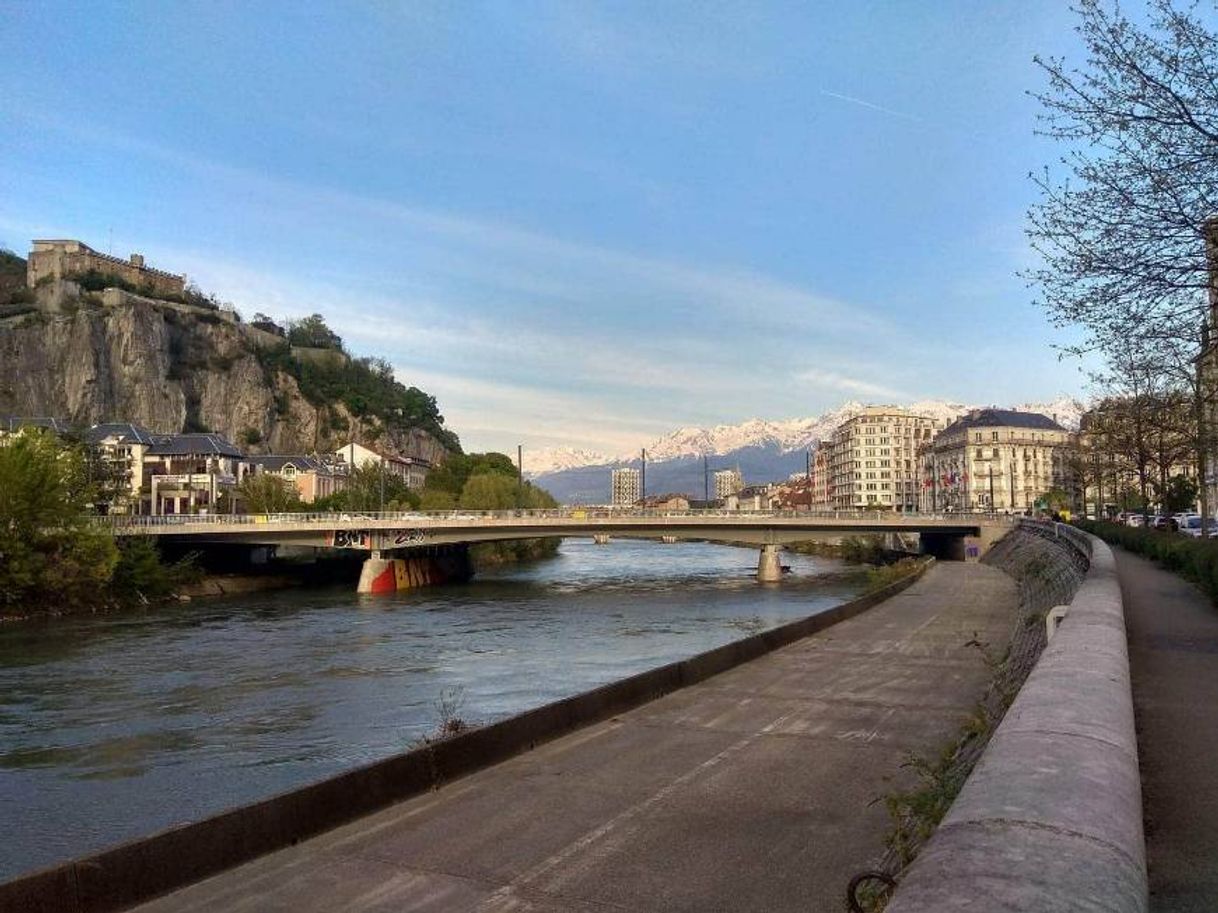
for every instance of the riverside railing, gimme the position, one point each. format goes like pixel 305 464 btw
pixel 323 518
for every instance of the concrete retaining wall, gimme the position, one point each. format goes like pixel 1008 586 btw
pixel 1051 818
pixel 126 875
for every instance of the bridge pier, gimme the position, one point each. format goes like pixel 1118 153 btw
pixel 601 538
pixel 769 568
pixel 385 572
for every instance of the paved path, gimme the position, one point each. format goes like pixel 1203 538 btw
pixel 1173 660
pixel 749 791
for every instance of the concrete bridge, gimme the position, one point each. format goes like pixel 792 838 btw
pixel 390 538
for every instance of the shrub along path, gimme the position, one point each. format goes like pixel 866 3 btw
pixel 752 790
pixel 1173 661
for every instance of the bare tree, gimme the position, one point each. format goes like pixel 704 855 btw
pixel 1121 227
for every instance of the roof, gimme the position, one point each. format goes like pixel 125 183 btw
pixel 189 444
pixel 126 432
pixel 274 462
pixel 1003 418
pixel 15 422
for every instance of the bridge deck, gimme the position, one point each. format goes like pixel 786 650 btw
pixel 406 529
pixel 750 791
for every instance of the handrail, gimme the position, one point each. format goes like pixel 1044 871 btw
pixel 126 521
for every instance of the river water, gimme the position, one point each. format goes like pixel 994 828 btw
pixel 116 726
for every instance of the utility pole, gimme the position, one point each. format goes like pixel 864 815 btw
pixel 381 466
pixel 705 478
pixel 643 478
pixel 520 474
pixel 808 476
pixel 992 504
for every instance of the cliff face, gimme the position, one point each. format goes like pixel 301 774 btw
pixel 172 370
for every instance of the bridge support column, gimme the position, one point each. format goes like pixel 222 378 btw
pixel 378 575
pixel 601 538
pixel 769 568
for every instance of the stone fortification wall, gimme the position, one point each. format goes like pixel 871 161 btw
pixel 1051 817
pixel 64 259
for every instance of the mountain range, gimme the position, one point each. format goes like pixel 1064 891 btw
pixel 764 450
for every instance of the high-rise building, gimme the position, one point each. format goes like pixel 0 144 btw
pixel 873 459
pixel 727 482
pixel 625 486
pixel 996 459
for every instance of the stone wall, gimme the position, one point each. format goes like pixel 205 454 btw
pixel 1051 817
pixel 64 259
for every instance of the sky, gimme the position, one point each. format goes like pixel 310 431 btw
pixel 574 224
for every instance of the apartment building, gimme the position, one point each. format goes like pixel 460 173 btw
pixel 873 460
pixel 727 482
pixel 625 486
pixel 996 459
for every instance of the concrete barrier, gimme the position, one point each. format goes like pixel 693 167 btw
pixel 1051 817
pixel 131 873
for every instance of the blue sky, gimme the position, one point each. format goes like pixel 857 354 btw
pixel 575 224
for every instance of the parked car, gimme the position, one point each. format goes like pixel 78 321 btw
pixel 1166 524
pixel 1192 526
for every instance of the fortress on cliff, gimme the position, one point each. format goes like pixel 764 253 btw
pixel 67 259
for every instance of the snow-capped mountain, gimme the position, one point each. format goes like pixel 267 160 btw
pixel 556 459
pixel 765 450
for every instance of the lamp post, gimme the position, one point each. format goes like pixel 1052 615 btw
pixel 520 475
pixel 643 478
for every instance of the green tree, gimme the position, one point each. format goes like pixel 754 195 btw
pixel 369 487
pixel 437 499
pixel 50 551
pixel 1179 495
pixel 489 491
pixel 266 493
pixel 313 332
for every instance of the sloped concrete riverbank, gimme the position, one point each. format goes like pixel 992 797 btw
pixel 752 790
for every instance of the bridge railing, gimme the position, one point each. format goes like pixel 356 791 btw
pixel 329 518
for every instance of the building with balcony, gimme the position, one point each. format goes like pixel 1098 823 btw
pixel 996 459
pixel 313 477
pixel 625 486
pixel 191 473
pixel 727 482
pixel 873 460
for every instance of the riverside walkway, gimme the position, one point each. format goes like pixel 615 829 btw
pixel 752 790
pixel 1173 662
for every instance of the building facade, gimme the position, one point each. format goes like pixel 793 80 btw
pixel 312 477
pixel 411 470
pixel 625 486
pixel 727 482
pixel 996 459
pixel 63 259
pixel 872 460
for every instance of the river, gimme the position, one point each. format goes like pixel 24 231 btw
pixel 116 726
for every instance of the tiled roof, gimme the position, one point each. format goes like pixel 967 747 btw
pixel 1003 418
pixel 189 444
pixel 273 462
pixel 126 432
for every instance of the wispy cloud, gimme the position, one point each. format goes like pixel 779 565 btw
pixel 871 105
pixel 831 380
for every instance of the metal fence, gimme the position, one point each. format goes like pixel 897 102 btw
pixel 330 518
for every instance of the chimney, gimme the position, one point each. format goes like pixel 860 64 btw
pixel 137 260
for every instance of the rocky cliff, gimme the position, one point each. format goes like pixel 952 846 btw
pixel 173 368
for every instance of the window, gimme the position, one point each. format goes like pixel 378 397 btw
pixel 994 436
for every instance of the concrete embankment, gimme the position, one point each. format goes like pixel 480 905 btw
pixel 1051 818
pixel 125 875
pixel 754 789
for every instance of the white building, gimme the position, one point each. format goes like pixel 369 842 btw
pixel 626 487
pixel 727 482
pixel 996 459
pixel 411 470
pixel 873 459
